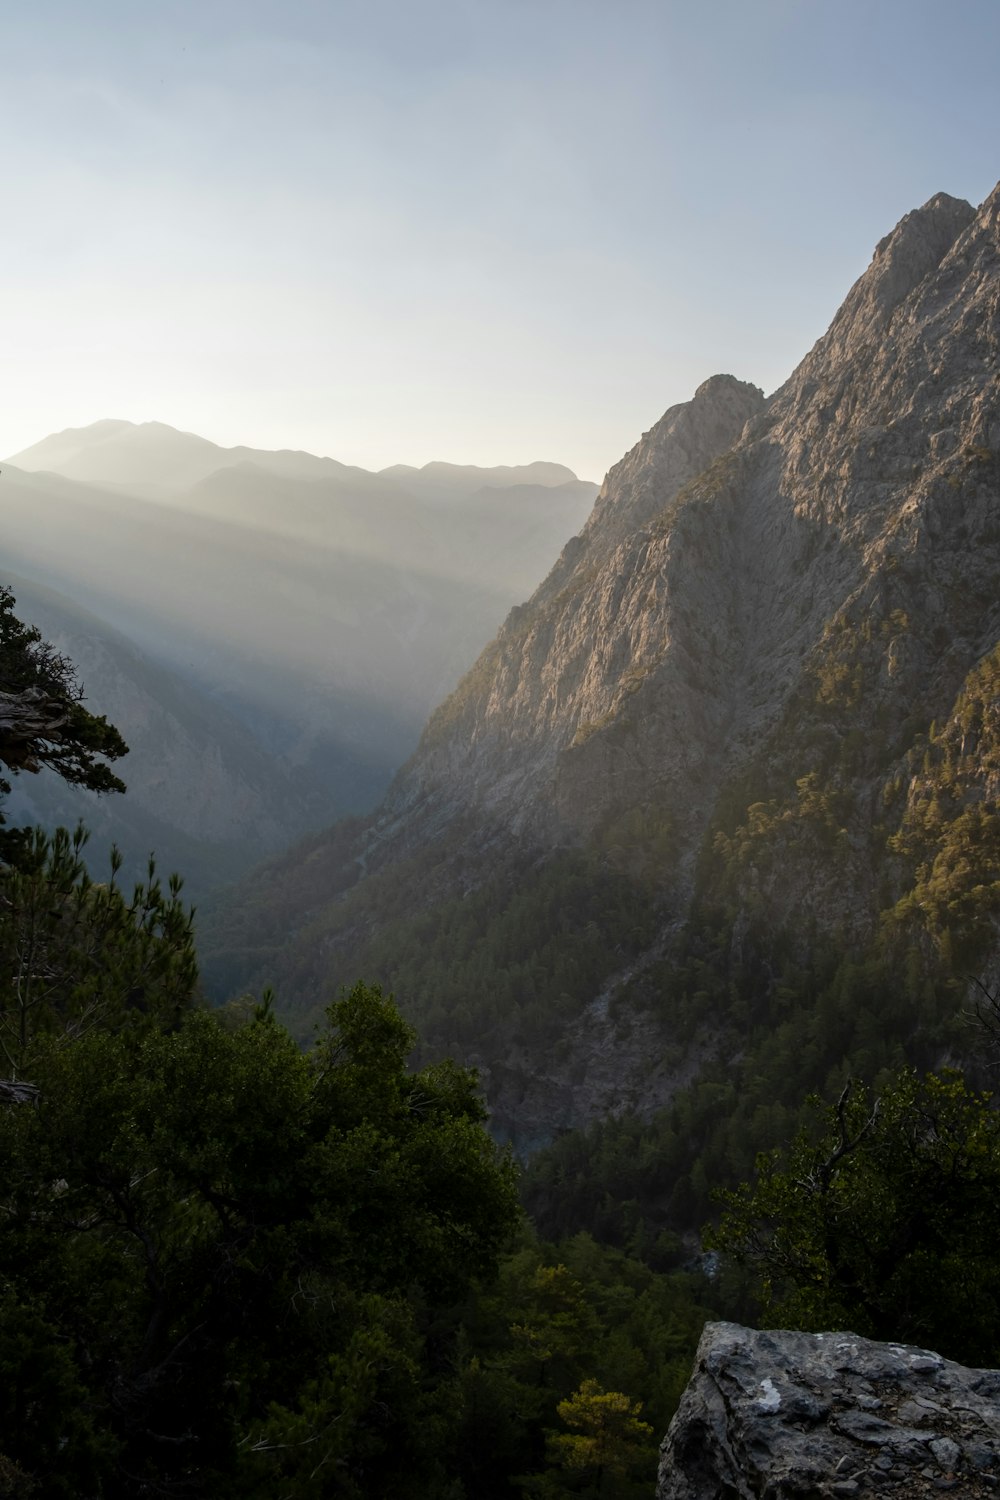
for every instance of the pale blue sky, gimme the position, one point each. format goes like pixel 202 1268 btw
pixel 482 230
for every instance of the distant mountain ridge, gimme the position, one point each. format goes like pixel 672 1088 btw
pixel 440 478
pixel 323 609
pixel 113 451
pixel 735 708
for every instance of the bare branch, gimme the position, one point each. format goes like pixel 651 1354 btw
pixel 986 1018
pixel 12 1092
pixel 820 1178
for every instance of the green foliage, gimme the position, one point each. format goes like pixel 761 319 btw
pixel 564 1319
pixel 229 1267
pixel 606 1450
pixel 784 1025
pixel 555 1327
pixel 514 958
pixel 815 819
pixel 42 718
pixel 641 842
pixel 760 975
pixel 220 1256
pixel 884 1221
pixel 949 831
pixel 700 495
pixel 78 954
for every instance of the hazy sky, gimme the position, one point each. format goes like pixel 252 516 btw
pixel 482 230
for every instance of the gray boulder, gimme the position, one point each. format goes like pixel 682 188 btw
pixel 772 1415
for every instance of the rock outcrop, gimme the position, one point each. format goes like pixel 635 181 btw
pixel 772 1415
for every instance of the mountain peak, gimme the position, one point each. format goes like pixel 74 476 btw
pixel 902 260
pixel 924 236
pixel 686 439
pixel 718 387
pixel 990 206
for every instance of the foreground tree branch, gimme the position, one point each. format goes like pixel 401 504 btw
pixel 42 718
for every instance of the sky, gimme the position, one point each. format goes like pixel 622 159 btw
pixel 485 231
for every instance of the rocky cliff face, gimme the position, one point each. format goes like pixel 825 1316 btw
pixel 769 1416
pixel 741 688
pixel 609 620
pixel 724 549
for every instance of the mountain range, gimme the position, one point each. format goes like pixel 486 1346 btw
pixel 718 804
pixel 269 630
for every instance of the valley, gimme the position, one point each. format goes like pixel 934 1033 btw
pixel 667 825
pixel 697 862
pixel 500 751
pixel 306 615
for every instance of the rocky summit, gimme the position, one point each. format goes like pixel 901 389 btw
pixel 749 719
pixel 772 1415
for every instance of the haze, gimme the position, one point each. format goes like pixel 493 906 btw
pixel 490 231
pixel 282 619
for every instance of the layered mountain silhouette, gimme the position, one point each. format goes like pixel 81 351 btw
pixel 747 725
pixel 315 610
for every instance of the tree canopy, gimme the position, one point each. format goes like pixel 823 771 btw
pixel 885 1220
pixel 221 1256
pixel 75 953
pixel 42 718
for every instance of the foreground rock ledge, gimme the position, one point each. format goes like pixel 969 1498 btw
pixel 772 1415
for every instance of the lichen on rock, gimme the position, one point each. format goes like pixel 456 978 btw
pixel 770 1414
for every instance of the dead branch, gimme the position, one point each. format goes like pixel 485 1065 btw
pixel 12 1092
pixel 820 1178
